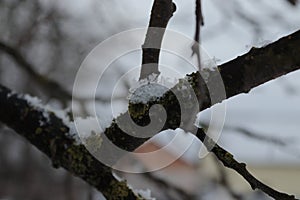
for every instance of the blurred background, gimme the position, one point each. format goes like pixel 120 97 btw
pixel 43 43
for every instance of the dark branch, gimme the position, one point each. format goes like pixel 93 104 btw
pixel 292 2
pixel 51 136
pixel 161 183
pixel 256 135
pixel 162 11
pixel 260 65
pixel 199 22
pixel 228 161
pixel 225 182
pixel 239 75
pixel 263 138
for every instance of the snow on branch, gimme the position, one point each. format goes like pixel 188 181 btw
pixel 49 131
pixel 51 135
pixel 240 75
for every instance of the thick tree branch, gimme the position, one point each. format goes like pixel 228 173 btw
pixel 51 135
pixel 239 75
pixel 228 161
pixel 162 11
pixel 292 2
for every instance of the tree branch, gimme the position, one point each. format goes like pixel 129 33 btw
pixel 54 89
pixel 283 142
pixel 199 22
pixel 293 2
pixel 165 185
pixel 162 11
pixel 228 161
pixel 51 135
pixel 239 75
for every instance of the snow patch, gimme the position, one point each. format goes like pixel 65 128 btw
pixel 87 126
pixel 46 110
pixel 119 178
pixel 259 44
pixel 150 89
pixel 146 194
pixel 73 133
pixel 147 92
pixel 10 94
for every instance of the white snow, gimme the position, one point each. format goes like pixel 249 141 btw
pixel 146 194
pixel 80 130
pixel 117 177
pixel 47 109
pixel 74 133
pixel 34 101
pixel 87 126
pixel 147 92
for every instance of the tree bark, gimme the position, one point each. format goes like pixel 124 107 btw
pixel 51 135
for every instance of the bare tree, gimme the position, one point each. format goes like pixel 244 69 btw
pixel 52 133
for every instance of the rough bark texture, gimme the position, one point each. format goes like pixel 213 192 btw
pixel 239 75
pixel 261 65
pixel 51 136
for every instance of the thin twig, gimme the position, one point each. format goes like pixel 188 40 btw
pixel 224 181
pixel 255 135
pixel 228 161
pixel 292 2
pixel 199 22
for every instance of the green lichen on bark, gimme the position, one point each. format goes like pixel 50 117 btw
pixel 138 110
pixel 51 136
pixel 117 190
pixel 77 159
pixel 264 64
